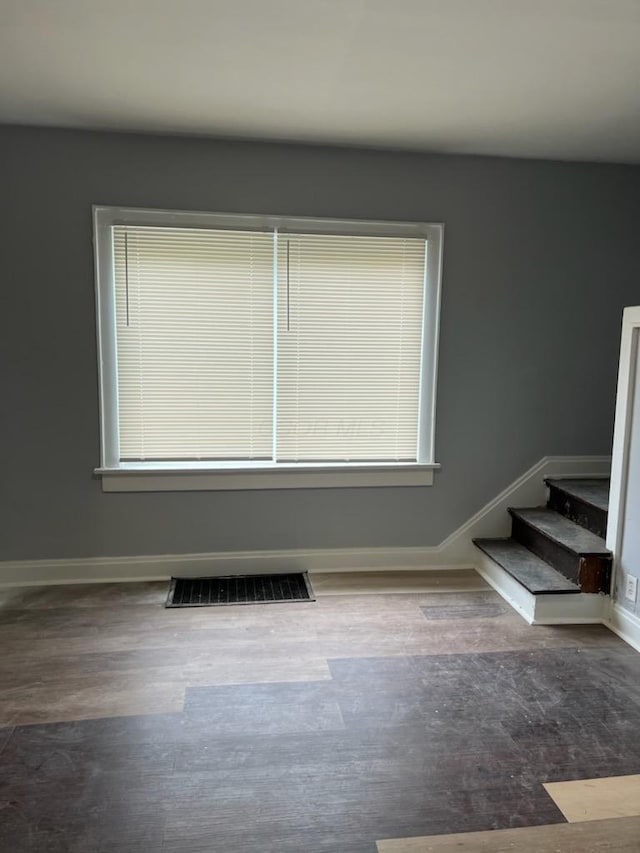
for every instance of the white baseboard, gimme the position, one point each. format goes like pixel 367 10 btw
pixel 164 566
pixel 455 552
pixel 625 624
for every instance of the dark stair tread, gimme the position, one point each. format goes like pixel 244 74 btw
pixel 563 532
pixel 530 571
pixel 594 492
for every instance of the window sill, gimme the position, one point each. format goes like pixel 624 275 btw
pixel 178 478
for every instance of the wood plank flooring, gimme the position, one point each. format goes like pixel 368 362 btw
pixel 621 836
pixel 597 799
pixel 390 708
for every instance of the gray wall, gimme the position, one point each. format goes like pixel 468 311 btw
pixel 540 258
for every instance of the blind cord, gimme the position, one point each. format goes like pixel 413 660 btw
pixel 288 309
pixel 126 274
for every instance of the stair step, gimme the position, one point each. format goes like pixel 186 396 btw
pixel 578 554
pixel 561 530
pixel 584 501
pixel 594 491
pixel 529 570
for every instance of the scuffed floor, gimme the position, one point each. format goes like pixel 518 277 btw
pixel 393 707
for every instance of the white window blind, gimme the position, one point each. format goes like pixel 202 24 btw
pixel 194 337
pixel 350 319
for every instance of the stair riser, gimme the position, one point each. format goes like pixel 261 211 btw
pixel 591 574
pixel 561 560
pixel 582 513
pixel 595 575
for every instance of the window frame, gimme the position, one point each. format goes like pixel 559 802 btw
pixel 178 476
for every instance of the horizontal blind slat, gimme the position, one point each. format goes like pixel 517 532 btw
pixel 195 345
pixel 194 326
pixel 349 347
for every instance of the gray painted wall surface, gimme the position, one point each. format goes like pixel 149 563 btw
pixel 539 260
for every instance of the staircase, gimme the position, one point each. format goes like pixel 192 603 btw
pixel 556 554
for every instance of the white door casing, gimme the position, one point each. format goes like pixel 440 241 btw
pixel 623 530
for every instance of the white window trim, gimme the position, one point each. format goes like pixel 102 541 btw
pixel 153 476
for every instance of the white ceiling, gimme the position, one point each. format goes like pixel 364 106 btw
pixel 540 78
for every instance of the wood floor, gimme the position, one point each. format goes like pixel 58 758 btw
pixel 391 710
pixel 603 836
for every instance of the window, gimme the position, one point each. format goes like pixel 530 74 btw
pixel 247 352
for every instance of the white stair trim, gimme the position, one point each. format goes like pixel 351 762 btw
pixel 566 609
pixel 507 586
pixel 528 490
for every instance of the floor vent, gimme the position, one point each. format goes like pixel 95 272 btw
pixel 246 589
